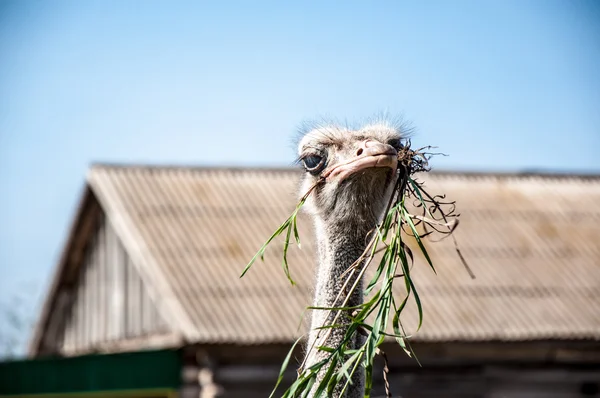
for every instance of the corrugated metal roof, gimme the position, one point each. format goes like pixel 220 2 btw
pixel 532 241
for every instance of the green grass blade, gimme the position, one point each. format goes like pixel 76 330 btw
pixel 326 349
pixel 400 337
pixel 378 273
pixel 285 365
pixel 296 234
pixel 353 361
pixel 418 301
pixel 327 377
pixel 410 223
pixel 285 265
pixel 260 253
pixel 417 191
pixel 354 307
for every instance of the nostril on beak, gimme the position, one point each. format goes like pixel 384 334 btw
pixel 359 152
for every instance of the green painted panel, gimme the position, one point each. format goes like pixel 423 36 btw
pixel 90 373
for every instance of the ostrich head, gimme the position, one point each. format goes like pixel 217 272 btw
pixel 359 167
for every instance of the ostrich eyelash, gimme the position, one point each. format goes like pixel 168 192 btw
pixel 310 151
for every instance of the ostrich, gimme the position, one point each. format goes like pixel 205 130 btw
pixel 359 167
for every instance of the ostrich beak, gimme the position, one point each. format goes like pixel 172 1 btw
pixel 370 154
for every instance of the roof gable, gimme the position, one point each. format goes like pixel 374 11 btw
pixel 98 301
pixel 199 228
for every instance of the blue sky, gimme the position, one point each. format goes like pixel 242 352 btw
pixel 502 85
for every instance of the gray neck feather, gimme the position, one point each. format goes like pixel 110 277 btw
pixel 338 247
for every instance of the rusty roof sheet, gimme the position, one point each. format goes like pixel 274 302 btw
pixel 533 242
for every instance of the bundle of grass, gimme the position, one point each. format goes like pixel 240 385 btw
pixel 357 186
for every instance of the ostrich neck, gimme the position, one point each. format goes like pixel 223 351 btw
pixel 338 248
pixel 337 251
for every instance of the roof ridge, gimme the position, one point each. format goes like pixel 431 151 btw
pixel 266 168
pixel 158 166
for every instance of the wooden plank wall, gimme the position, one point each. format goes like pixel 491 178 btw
pixel 108 303
pixel 451 382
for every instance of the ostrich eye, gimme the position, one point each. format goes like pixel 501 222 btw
pixel 313 163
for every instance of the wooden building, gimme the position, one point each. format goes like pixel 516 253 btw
pixel 153 259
